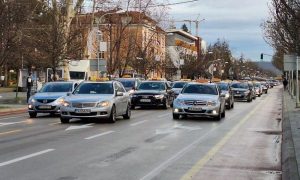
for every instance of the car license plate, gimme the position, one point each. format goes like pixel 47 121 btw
pixel 237 95
pixel 195 108
pixel 82 110
pixel 44 107
pixel 145 100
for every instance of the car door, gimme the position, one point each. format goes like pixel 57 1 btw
pixel 122 100
pixel 117 99
pixel 170 93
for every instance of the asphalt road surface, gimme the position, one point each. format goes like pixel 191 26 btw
pixel 246 144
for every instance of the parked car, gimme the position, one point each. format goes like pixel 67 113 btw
pixel 152 93
pixel 97 100
pixel 242 91
pixel 227 91
pixel 50 97
pixel 258 89
pixel 130 84
pixel 200 100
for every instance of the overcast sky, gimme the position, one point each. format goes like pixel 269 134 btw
pixel 236 21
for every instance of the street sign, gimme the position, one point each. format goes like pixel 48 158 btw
pixel 289 62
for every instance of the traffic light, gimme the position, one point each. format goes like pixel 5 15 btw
pixel 261 56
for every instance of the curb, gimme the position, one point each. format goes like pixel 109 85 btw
pixel 13 111
pixel 288 159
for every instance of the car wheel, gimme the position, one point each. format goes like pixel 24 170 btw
pixel 259 95
pixel 249 99
pixel 218 118
pixel 165 106
pixel 266 92
pixel 232 105
pixel 64 120
pixel 32 114
pixel 223 113
pixel 132 107
pixel 113 115
pixel 176 116
pixel 52 114
pixel 128 113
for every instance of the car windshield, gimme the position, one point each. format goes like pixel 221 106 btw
pixel 200 89
pixel 95 88
pixel 152 86
pixel 127 83
pixel 57 87
pixel 223 86
pixel 257 85
pixel 179 84
pixel 240 85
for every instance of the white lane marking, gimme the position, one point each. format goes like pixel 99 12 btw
pixel 10 123
pixel 163 115
pixel 79 127
pixel 98 135
pixel 25 157
pixel 137 123
pixel 13 117
pixel 178 155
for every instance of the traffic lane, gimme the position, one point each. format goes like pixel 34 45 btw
pixel 115 159
pixel 248 150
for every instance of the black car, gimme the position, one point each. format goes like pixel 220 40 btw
pixel 227 91
pixel 152 93
pixel 242 91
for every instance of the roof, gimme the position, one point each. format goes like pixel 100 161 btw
pixel 183 33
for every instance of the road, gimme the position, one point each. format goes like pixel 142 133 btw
pixel 246 144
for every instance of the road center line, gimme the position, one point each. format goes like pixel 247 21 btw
pixel 13 117
pixel 137 123
pixel 11 123
pixel 25 157
pixel 51 124
pixel 98 135
pixel 10 132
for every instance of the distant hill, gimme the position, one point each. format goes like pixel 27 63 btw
pixel 268 66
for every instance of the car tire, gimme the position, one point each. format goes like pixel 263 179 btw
pixel 223 114
pixel 64 120
pixel 176 116
pixel 165 106
pixel 259 95
pixel 113 115
pixel 132 107
pixel 219 117
pixel 249 99
pixel 128 112
pixel 52 114
pixel 32 114
pixel 232 105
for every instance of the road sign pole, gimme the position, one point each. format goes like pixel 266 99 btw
pixel 297 82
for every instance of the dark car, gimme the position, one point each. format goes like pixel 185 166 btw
pixel 152 93
pixel 242 91
pixel 227 91
pixel 177 87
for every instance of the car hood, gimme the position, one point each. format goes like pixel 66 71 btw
pixel 82 98
pixel 49 95
pixel 177 90
pixel 149 92
pixel 203 97
pixel 239 89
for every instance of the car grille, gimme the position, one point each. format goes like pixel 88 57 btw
pixel 202 111
pixel 52 108
pixel 83 105
pixel 45 100
pixel 83 114
pixel 195 103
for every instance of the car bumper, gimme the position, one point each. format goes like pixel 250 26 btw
pixel 69 112
pixel 152 102
pixel 37 108
pixel 205 112
pixel 241 97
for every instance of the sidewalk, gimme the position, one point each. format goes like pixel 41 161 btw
pixel 9 104
pixel 290 139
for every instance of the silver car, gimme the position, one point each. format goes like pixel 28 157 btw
pixel 96 100
pixel 49 98
pixel 200 100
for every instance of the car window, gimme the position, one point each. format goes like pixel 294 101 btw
pixel 95 88
pixel 240 85
pixel 223 86
pixel 152 86
pixel 57 87
pixel 127 83
pixel 179 84
pixel 200 89
pixel 120 88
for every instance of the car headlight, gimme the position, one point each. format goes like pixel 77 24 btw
pixel 60 100
pixel 103 104
pixel 66 103
pixel 134 95
pixel 161 96
pixel 211 103
pixel 226 95
pixel 131 91
pixel 32 100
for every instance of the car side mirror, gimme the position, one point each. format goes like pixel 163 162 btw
pixel 69 94
pixel 120 93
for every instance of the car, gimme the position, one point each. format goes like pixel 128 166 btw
pixel 178 86
pixel 258 89
pixel 227 91
pixel 100 100
pixel 265 87
pixel 253 89
pixel 152 93
pixel 199 99
pixel 130 84
pixel 242 91
pixel 49 98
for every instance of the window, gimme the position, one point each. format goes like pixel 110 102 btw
pixel 101 55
